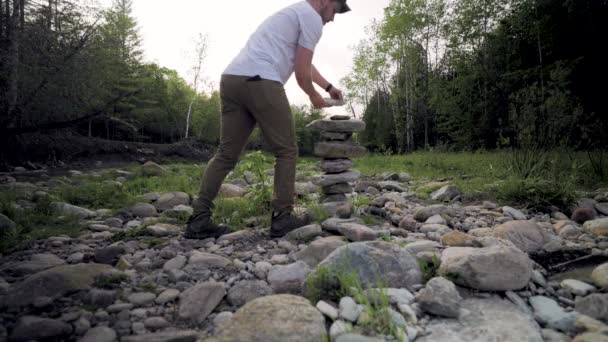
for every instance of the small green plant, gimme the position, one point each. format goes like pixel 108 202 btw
pixel 429 268
pixel 538 193
pixel 261 191
pixel 110 281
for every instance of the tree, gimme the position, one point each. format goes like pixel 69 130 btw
pixel 200 54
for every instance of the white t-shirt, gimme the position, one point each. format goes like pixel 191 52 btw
pixel 271 50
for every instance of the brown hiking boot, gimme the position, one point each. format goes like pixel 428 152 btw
pixel 285 221
pixel 201 227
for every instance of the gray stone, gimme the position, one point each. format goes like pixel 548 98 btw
pixel 279 318
pixel 176 263
pixel 72 210
pixel 167 296
pixel 577 287
pixel 246 291
pixel 525 235
pixel 595 305
pixel 288 278
pixel 37 263
pixel 231 191
pixel 447 193
pixel 514 213
pixel 335 178
pixel 336 165
pixel 101 298
pixel 38 328
pixel 357 232
pixel 351 337
pixel 197 302
pixel 179 212
pixel 349 309
pixel 392 186
pixel 339 188
pixel 222 318
pixel 423 214
pixel 341 126
pixel 439 297
pixel 143 210
pixel 602 208
pixel 155 323
pixel 167 336
pixel 327 310
pixel 338 328
pixel 493 268
pixel 305 188
pixel 305 233
pixel 549 313
pixel 600 276
pixel 319 250
pixel 483 320
pixel 207 260
pixel 171 199
pixel 376 260
pixel 338 150
pixel 335 136
pixel 550 335
pixel 333 224
pixel 163 230
pixel 53 283
pixel 141 298
pixel 109 255
pixel 436 219
pixel 99 334
pixel 151 169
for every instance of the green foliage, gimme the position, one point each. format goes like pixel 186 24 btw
pixel 261 194
pixel 538 193
pixel 429 268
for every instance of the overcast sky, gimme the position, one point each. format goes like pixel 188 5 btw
pixel 169 27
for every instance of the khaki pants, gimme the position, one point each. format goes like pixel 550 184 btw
pixel 246 102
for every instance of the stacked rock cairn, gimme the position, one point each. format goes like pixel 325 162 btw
pixel 336 148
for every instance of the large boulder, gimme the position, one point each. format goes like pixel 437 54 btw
pixel 525 235
pixel 37 328
pixel 37 263
pixel 597 227
pixel 491 319
pixel 499 267
pixel 280 318
pixel 600 276
pixel 54 283
pixel 375 261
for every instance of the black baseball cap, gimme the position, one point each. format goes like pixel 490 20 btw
pixel 343 7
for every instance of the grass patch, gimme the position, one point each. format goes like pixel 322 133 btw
pixel 429 268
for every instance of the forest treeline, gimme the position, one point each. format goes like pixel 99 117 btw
pixel 467 74
pixel 472 74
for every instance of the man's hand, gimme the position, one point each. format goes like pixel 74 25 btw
pixel 317 100
pixel 335 93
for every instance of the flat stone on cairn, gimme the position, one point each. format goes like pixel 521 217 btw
pixel 336 147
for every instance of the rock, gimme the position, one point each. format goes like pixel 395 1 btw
pixel 245 291
pixel 351 337
pixel 439 297
pixel 101 298
pixel 345 211
pixel 333 224
pixel 176 263
pixel 109 255
pixel 514 213
pixel 155 323
pixel 231 191
pixel 21 190
pixel 179 212
pixel 208 260
pixel 597 227
pixel 482 320
pixel 600 276
pixel 435 228
pixel 167 296
pixel 168 336
pixel 341 126
pixel 395 266
pixel 336 165
pixel 222 318
pixel 591 337
pixel 37 263
pixel 525 235
pixel 53 283
pixel 305 188
pixel 423 214
pixel 392 186
pixel 548 312
pixel 197 302
pixel 550 335
pixel 436 219
pixel 6 224
pixel 493 268
pixel 151 169
pixel 457 238
pixel 582 215
pixel 447 193
pixel 602 208
pixel 163 230
pixel 143 210
pixel 72 210
pixel 319 250
pixel 38 328
pixel 278 318
pixel 327 310
pixel 171 199
pixel 338 328
pixel 288 278
pixel 338 188
pixel 357 232
pixel 331 150
pixel 335 178
pixel 362 186
pixel 594 305
pixel 99 334
pixel 305 233
pixel 577 287
pixel 349 309
pixel 408 222
pixel 422 246
pixel 141 298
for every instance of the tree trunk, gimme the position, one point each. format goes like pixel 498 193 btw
pixel 14 38
pixel 188 119
pixel 49 16
pixel 2 23
pixel 22 13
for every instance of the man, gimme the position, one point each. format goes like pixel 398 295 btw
pixel 251 91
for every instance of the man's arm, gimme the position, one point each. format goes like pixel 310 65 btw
pixel 334 92
pixel 305 76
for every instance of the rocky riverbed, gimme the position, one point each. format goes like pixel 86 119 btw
pixel 450 271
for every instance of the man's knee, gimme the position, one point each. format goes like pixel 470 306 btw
pixel 226 157
pixel 286 151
